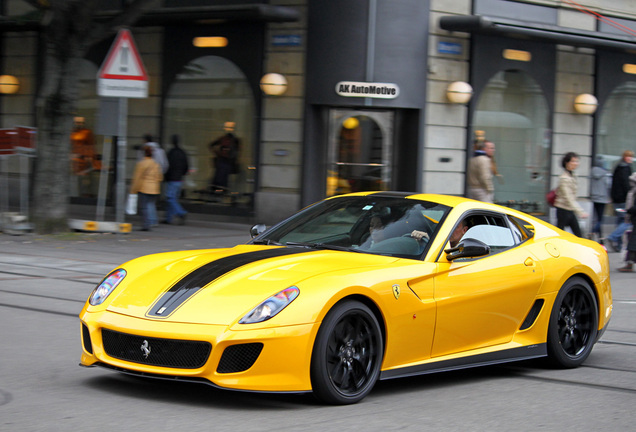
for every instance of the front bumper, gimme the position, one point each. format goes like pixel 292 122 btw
pixel 282 365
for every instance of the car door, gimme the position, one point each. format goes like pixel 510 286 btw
pixel 483 301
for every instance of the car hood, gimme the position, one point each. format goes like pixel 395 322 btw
pixel 221 286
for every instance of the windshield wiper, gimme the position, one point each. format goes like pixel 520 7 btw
pixel 322 246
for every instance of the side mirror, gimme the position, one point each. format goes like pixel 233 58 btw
pixel 257 230
pixel 467 248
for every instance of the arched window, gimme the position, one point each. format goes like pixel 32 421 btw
pixel 513 113
pixel 617 124
pixel 208 97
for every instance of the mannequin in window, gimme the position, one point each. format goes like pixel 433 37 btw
pixel 83 155
pixel 225 150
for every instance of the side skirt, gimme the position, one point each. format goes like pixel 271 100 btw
pixel 492 358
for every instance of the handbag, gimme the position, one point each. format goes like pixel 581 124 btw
pixel 131 204
pixel 551 197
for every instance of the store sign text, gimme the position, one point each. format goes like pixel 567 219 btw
pixel 367 89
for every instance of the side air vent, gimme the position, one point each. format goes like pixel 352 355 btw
pixel 239 358
pixel 86 338
pixel 532 315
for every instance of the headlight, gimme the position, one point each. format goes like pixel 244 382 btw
pixel 106 286
pixel 271 306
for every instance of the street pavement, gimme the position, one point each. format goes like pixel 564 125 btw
pixel 45 280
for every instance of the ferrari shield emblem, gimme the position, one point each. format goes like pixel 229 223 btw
pixel 396 291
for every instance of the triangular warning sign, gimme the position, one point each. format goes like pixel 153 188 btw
pixel 123 61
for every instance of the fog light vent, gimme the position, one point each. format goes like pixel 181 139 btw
pixel 86 338
pixel 239 358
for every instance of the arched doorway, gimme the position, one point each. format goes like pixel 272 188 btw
pixel 360 151
pixel 209 96
pixel 513 112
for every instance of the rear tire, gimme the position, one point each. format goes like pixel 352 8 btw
pixel 573 324
pixel 347 354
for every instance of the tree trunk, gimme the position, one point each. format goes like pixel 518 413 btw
pixel 55 108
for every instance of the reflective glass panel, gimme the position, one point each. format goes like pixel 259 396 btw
pixel 210 106
pixel 513 113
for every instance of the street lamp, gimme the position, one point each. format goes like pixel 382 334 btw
pixel 9 84
pixel 585 104
pixel 273 84
pixel 459 92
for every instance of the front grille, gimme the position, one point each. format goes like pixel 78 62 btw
pixel 173 353
pixel 239 358
pixel 86 338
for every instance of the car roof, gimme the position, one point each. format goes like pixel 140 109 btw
pixel 449 200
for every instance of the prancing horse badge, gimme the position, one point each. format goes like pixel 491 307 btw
pixel 396 291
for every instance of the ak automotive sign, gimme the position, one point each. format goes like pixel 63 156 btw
pixel 367 89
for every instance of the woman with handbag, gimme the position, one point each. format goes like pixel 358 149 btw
pixel 146 183
pixel 568 210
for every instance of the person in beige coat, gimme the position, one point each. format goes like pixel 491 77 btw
pixel 568 209
pixel 480 173
pixel 146 183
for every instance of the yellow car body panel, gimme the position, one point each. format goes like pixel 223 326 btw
pixel 431 310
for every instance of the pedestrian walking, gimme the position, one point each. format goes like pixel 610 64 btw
pixel 630 209
pixel 600 183
pixel 159 155
pixel 146 183
pixel 620 183
pixel 568 210
pixel 480 172
pixel 178 167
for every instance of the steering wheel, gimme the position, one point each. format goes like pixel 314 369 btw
pixel 423 240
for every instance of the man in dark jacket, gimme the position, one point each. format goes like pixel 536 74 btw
pixel 620 182
pixel 177 168
pixel 630 209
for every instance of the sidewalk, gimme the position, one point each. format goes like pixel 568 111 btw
pixel 199 232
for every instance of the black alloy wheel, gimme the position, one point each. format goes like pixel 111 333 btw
pixel 573 324
pixel 347 354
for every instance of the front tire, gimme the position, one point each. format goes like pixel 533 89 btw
pixel 573 324
pixel 347 354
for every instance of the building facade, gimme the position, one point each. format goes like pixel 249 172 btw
pixel 367 104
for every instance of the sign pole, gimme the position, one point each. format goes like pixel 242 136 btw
pixel 121 159
pixel 122 76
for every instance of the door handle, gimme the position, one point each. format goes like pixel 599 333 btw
pixel 529 262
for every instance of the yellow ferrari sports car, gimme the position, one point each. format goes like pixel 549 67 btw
pixel 354 289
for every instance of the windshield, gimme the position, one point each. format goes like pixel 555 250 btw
pixel 372 224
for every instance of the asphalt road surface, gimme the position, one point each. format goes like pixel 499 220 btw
pixel 44 282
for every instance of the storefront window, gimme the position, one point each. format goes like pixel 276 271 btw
pixel 360 152
pixel 86 149
pixel 513 113
pixel 209 100
pixel 617 125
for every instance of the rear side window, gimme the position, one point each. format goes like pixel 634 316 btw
pixel 521 230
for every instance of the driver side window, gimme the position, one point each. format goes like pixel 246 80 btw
pixel 490 229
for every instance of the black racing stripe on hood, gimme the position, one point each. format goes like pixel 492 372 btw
pixel 195 281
